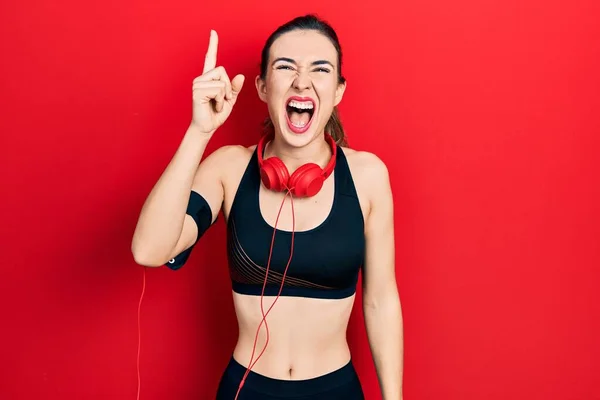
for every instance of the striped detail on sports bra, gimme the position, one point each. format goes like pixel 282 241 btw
pixel 244 270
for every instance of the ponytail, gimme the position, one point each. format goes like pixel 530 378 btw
pixel 334 127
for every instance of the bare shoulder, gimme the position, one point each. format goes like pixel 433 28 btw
pixel 226 158
pixel 231 161
pixel 229 153
pixel 369 171
pixel 218 166
pixel 371 180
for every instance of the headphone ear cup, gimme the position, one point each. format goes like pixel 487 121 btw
pixel 307 180
pixel 274 174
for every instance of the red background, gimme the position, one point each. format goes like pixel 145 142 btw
pixel 485 112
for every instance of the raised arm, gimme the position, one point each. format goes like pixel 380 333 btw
pixel 187 197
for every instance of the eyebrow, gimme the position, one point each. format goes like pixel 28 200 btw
pixel 318 62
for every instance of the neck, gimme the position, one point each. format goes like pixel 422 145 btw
pixel 316 151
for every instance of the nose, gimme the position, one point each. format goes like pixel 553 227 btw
pixel 302 81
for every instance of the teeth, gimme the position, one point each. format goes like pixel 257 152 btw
pixel 299 125
pixel 304 105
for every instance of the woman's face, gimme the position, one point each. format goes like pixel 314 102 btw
pixel 301 86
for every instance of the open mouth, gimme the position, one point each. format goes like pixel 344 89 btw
pixel 299 113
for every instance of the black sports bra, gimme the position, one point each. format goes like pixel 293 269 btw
pixel 326 259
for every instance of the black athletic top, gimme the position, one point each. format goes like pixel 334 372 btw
pixel 326 259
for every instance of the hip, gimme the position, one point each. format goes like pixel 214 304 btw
pixel 341 383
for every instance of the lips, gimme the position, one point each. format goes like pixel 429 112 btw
pixel 299 113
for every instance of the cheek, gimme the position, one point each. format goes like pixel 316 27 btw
pixel 280 81
pixel 276 89
pixel 326 90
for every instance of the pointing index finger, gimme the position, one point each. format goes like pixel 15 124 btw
pixel 210 60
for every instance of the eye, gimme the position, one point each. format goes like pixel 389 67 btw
pixel 321 69
pixel 284 67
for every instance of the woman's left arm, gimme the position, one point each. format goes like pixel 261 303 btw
pixel 381 301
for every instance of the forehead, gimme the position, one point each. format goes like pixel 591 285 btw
pixel 304 45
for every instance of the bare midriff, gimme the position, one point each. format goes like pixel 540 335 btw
pixel 307 336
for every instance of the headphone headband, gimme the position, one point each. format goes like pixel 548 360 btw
pixel 328 170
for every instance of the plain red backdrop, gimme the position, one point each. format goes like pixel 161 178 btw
pixel 485 112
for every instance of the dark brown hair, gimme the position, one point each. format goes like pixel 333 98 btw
pixel 309 22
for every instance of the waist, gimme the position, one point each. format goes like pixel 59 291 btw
pixel 306 336
pixel 293 362
pixel 281 388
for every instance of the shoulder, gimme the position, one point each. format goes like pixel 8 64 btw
pixel 230 161
pixel 228 157
pixel 368 170
pixel 231 152
pixel 221 163
pixel 371 179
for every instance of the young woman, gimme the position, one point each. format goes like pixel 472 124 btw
pixel 337 218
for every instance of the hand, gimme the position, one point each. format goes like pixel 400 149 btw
pixel 213 93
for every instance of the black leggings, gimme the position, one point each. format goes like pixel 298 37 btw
pixel 342 384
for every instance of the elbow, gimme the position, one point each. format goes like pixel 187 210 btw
pixel 387 301
pixel 145 257
pixel 374 305
pixel 146 261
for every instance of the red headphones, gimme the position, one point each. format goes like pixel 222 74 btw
pixel 306 181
